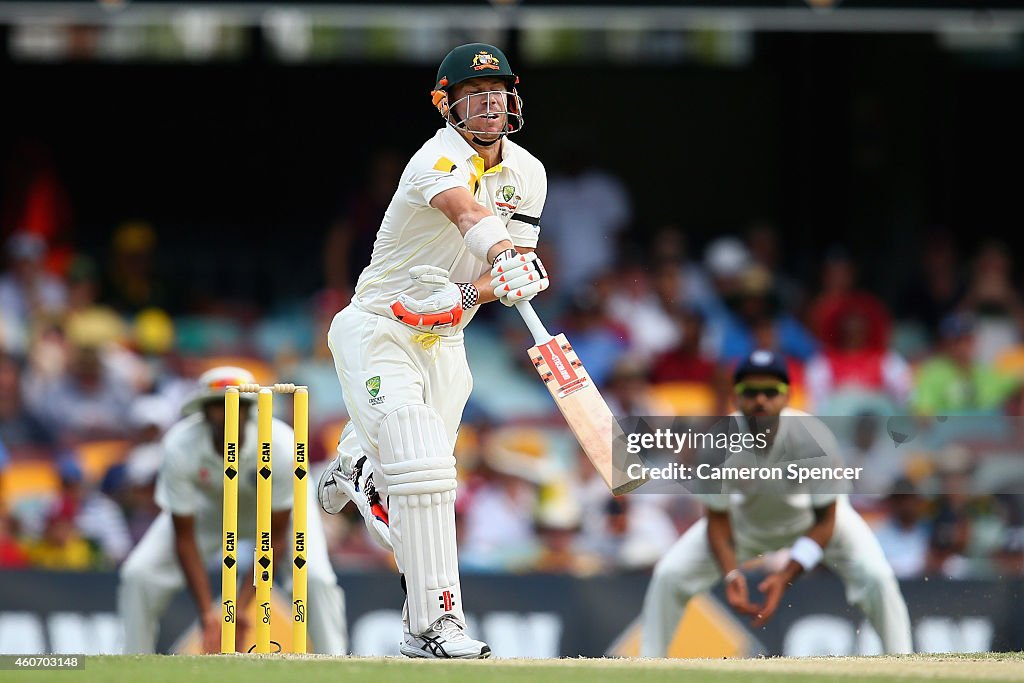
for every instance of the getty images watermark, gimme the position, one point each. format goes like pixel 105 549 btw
pixel 734 443
pixel 801 454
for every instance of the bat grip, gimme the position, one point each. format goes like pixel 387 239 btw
pixel 537 329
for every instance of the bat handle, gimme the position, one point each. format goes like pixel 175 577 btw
pixel 537 329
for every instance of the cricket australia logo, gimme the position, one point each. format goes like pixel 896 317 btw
pixel 485 60
pixel 506 200
pixel 373 388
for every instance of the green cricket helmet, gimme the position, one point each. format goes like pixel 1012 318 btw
pixel 477 60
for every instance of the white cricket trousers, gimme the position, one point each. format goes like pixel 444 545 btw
pixel 405 391
pixel 151 576
pixel 689 568
pixel 382 368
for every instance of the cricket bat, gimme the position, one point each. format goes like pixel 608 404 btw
pixel 579 401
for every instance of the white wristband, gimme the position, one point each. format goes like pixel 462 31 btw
pixel 806 553
pixel 484 235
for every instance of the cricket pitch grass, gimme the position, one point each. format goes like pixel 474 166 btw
pixel 314 669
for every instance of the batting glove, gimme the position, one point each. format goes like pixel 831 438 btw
pixel 518 277
pixel 444 304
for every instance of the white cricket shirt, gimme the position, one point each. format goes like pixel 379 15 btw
pixel 415 233
pixel 761 518
pixel 191 479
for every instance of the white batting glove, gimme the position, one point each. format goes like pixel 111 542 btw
pixel 518 277
pixel 444 303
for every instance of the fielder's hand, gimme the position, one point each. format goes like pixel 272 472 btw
pixel 518 277
pixel 444 303
pixel 736 593
pixel 772 588
pixel 211 629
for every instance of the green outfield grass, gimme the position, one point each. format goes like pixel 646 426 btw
pixel 314 669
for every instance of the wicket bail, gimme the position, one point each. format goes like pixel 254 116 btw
pixel 263 567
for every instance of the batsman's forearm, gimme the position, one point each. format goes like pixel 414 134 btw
pixel 720 541
pixel 483 287
pixel 195 575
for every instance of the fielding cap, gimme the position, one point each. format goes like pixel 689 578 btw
pixel 211 385
pixel 762 362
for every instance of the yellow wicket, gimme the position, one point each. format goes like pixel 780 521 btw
pixel 264 566
pixel 228 568
pixel 301 423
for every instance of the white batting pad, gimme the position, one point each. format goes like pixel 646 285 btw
pixel 419 468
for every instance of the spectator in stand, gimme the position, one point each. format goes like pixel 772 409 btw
pixel 97 517
pixel 62 547
pixel 993 300
pixel 150 416
pixel 937 288
pixel 595 336
pixel 141 470
pixel 951 525
pixel 20 427
pixel 685 362
pixel 644 307
pixel 496 533
pixel 586 211
pixel 88 401
pixel 762 240
pixel 588 490
pixel 904 536
pixel 628 390
pixel 726 260
pixel 36 200
pixel 29 296
pixel 669 246
pixel 953 381
pixel 755 306
pixel 855 357
pixel 637 531
pixel 558 524
pixel 840 294
pixel 12 553
pixel 873 450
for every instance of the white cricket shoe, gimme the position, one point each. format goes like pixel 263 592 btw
pixel 446 639
pixel 338 485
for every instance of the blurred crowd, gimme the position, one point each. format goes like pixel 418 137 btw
pixel 98 352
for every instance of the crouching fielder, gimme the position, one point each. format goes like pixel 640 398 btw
pixel 184 541
pixel 458 233
pixel 816 527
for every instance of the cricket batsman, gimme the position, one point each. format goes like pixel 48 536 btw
pixel 184 541
pixel 460 232
pixel 739 526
